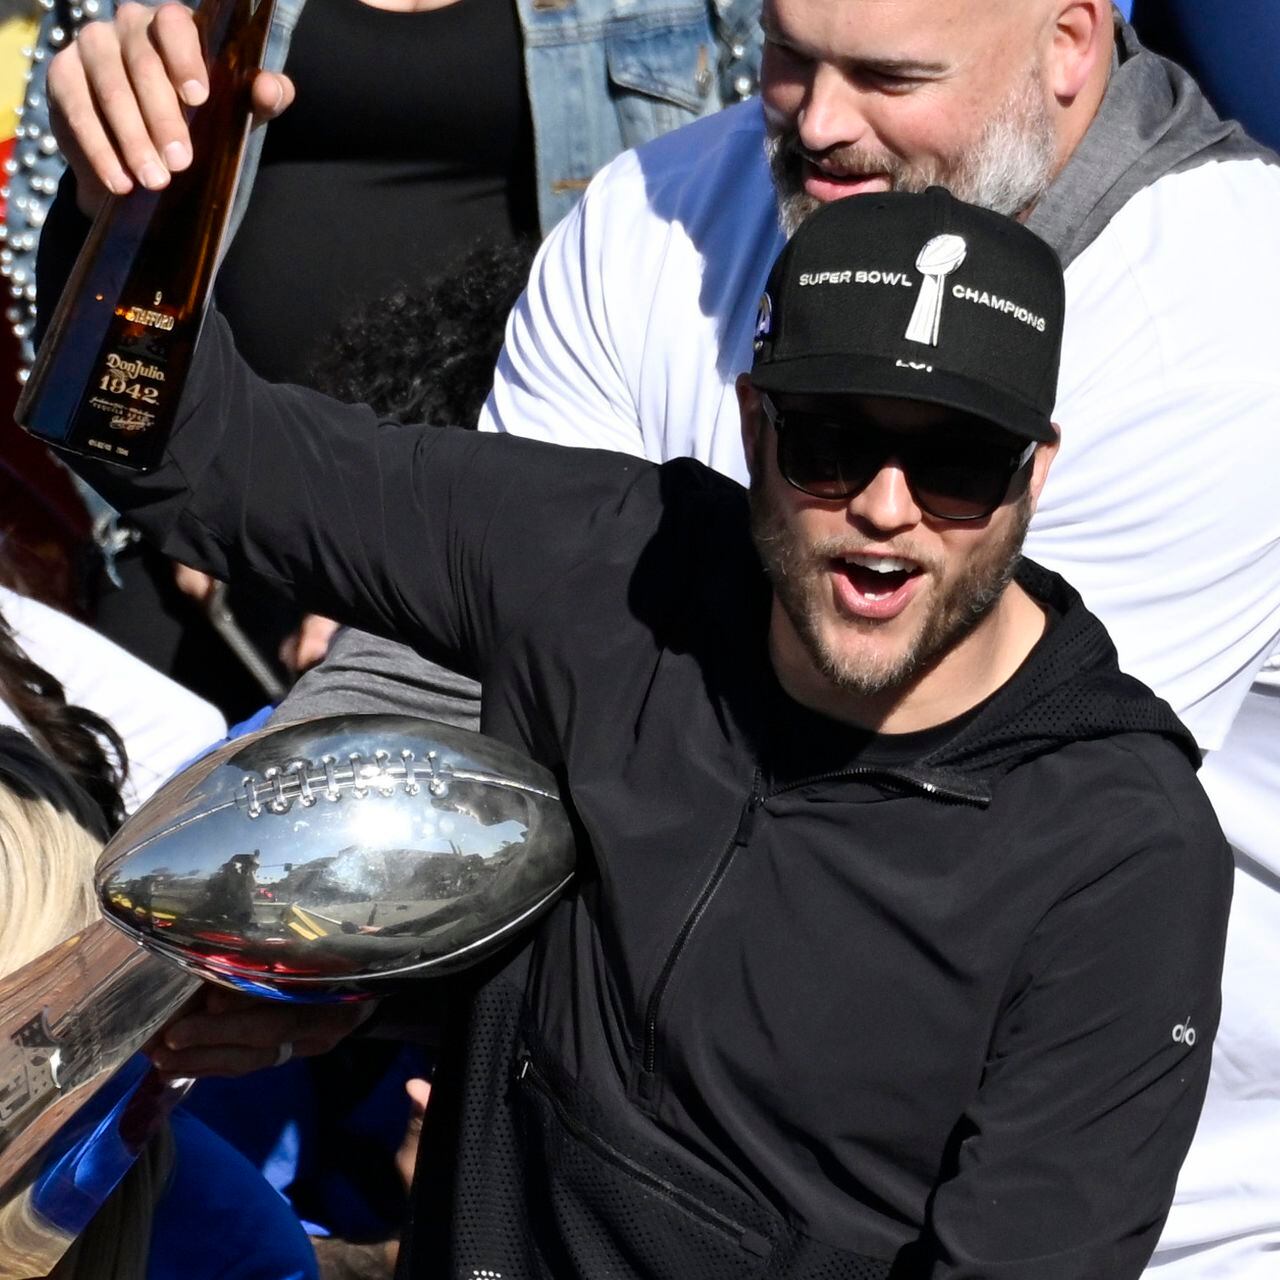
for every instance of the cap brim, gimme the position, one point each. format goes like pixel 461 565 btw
pixel 846 375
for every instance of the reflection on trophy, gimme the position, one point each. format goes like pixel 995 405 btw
pixel 334 857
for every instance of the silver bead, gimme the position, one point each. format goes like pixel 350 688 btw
pixel 737 49
pixel 26 51
pixel 35 218
pixel 11 165
pixel 27 159
pixel 47 4
pixel 21 202
pixel 57 35
pixel 30 292
pixel 6 257
pixel 38 56
pixel 22 330
pixel 13 315
pixel 34 100
pixel 743 85
pixel 49 145
pixel 91 7
pixel 19 278
pixel 23 374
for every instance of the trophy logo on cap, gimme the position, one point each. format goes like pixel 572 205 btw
pixel 764 321
pixel 937 260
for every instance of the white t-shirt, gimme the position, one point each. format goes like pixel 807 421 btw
pixel 1160 508
pixel 161 724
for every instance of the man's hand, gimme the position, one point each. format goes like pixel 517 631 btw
pixel 193 582
pixel 301 649
pixel 225 1033
pixel 419 1092
pixel 118 93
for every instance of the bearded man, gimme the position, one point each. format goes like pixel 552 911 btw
pixel 1161 506
pixel 639 317
pixel 895 942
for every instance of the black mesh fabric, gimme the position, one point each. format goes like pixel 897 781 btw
pixel 467 1214
pixel 1072 692
pixel 548 1186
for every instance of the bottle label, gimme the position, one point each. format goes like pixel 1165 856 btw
pixel 152 319
pixel 129 384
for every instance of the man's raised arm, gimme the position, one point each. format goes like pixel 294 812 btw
pixel 441 537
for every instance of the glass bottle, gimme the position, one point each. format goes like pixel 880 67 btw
pixel 109 374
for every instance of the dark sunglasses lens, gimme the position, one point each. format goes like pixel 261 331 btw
pixel 836 458
pixel 825 457
pixel 961 483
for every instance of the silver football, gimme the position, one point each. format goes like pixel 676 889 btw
pixel 340 856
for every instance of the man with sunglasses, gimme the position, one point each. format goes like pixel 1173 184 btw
pixel 1161 509
pixel 895 942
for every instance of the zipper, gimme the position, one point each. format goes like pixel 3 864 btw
pixel 746 820
pixel 908 781
pixel 526 1073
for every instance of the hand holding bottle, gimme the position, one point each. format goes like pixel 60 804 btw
pixel 109 374
pixel 118 96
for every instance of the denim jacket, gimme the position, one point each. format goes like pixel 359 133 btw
pixel 602 76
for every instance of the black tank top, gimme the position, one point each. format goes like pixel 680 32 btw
pixel 408 143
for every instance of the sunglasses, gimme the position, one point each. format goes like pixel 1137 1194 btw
pixel 951 475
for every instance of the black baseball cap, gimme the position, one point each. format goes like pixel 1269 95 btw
pixel 916 297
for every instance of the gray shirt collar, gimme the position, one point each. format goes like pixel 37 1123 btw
pixel 1153 121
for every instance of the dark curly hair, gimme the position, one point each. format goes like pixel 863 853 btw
pixel 87 747
pixel 426 354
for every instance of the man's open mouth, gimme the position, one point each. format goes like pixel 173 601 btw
pixel 876 584
pixel 824 178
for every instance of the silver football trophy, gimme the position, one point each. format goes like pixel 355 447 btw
pixel 334 857
pixel 329 859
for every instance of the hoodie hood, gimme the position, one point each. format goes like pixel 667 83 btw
pixel 1153 121
pixel 1070 689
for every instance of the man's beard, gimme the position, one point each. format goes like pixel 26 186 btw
pixel 1007 169
pixel 799 574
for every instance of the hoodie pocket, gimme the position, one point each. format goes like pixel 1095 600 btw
pixel 607 1211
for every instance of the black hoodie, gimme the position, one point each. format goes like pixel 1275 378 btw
pixel 820 1004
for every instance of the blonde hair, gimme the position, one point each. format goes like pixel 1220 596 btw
pixel 46 879
pixel 47 896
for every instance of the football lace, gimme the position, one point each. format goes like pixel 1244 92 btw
pixel 306 782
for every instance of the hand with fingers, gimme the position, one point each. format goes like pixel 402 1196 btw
pixel 118 96
pixel 227 1033
pixel 302 648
